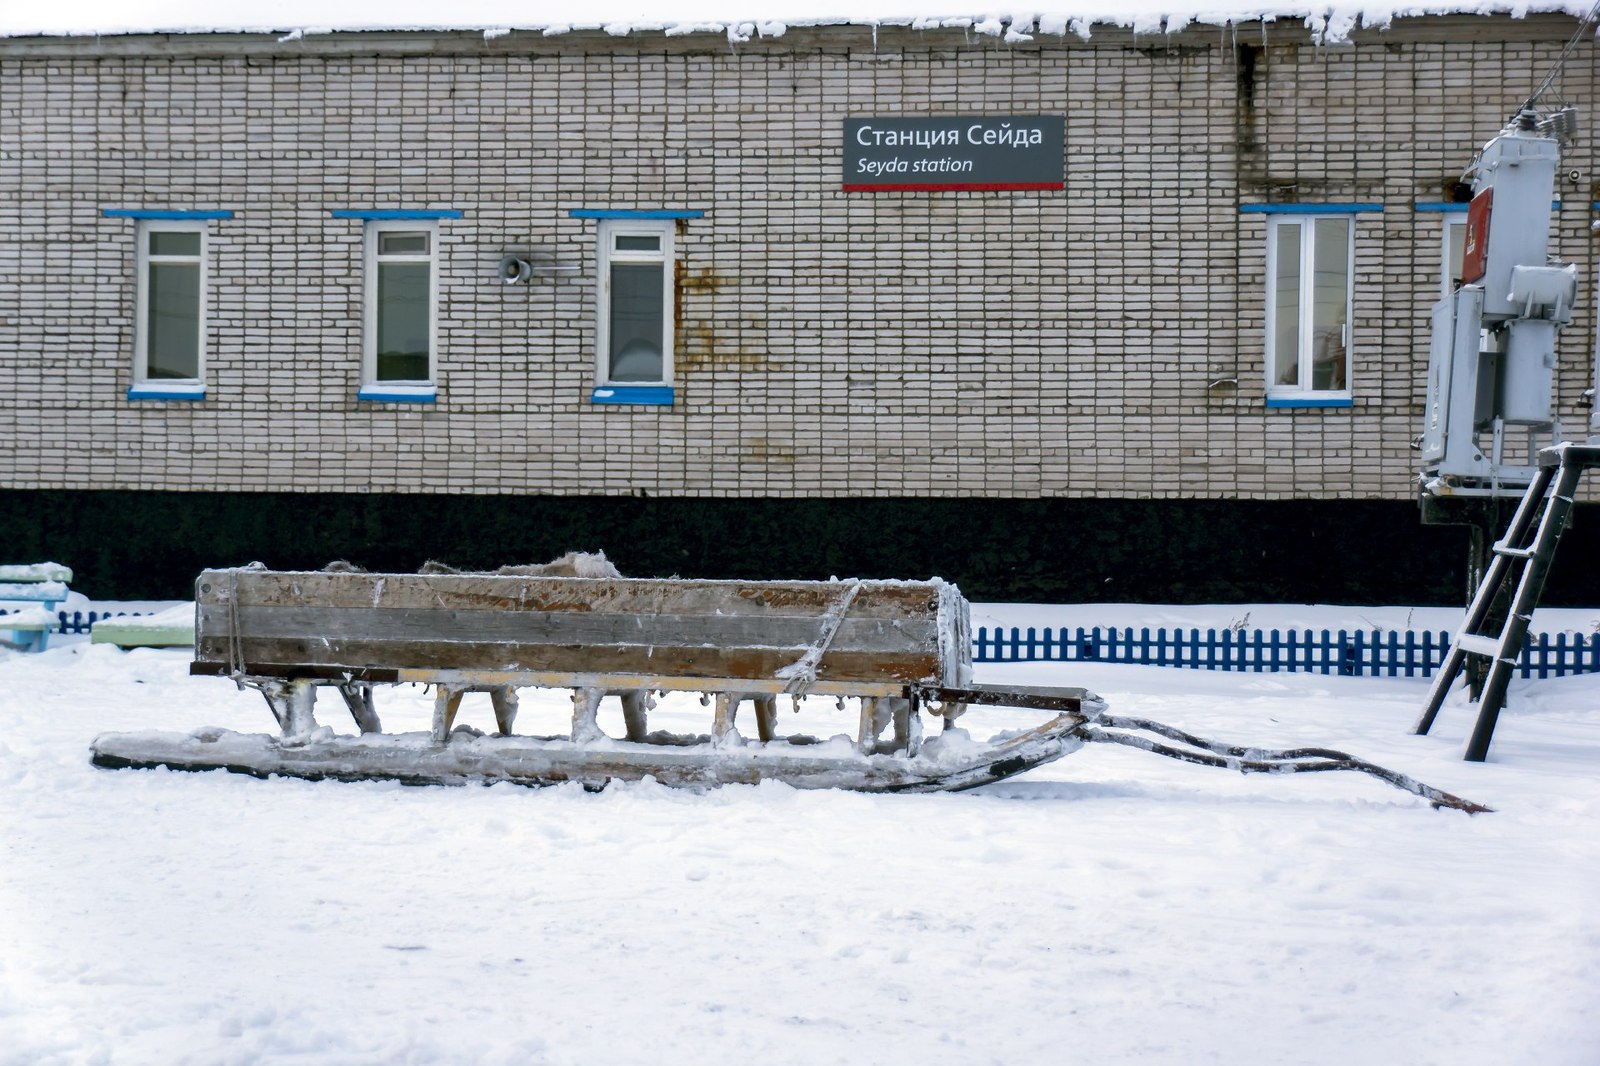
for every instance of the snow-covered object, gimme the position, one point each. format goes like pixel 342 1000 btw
pixel 848 638
pixel 571 564
pixel 173 627
pixel 30 627
pixel 41 591
pixel 28 618
pixel 35 572
pixel 417 759
pixel 890 645
pixel 898 648
pixel 294 20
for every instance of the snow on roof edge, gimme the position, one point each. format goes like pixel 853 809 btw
pixel 1329 23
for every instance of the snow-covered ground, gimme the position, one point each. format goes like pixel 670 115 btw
pixel 1113 907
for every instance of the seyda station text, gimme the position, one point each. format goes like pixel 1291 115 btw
pixel 897 165
pixel 957 152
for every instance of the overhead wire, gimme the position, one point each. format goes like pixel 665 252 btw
pixel 1561 60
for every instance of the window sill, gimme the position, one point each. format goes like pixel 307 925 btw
pixel 398 394
pixel 1310 401
pixel 649 395
pixel 176 391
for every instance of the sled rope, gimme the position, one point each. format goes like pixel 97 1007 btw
pixel 1260 760
pixel 802 673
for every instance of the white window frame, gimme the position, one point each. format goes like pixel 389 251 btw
pixel 141 325
pixel 1307 275
pixel 610 229
pixel 1453 224
pixel 424 387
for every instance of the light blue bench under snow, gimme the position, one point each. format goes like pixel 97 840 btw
pixel 172 628
pixel 44 584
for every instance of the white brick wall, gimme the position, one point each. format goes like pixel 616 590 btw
pixel 1006 344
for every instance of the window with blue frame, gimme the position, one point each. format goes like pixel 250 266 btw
pixel 635 303
pixel 399 301
pixel 1309 274
pixel 170 318
pixel 400 338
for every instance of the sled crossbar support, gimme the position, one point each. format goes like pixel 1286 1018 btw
pixel 543 679
pixel 657 682
pixel 291 671
pixel 1031 697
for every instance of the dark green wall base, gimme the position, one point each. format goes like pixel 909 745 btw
pixel 150 545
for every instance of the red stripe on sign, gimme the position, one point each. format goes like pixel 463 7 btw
pixel 989 186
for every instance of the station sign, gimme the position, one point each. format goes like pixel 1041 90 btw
pixel 894 153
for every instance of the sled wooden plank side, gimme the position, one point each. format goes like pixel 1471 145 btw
pixel 587 595
pixel 314 624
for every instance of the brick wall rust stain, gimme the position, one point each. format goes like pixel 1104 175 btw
pixel 686 282
pixel 678 273
pixel 702 339
pixel 763 451
pixel 703 347
pixel 702 280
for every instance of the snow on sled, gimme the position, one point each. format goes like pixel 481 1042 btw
pixel 902 649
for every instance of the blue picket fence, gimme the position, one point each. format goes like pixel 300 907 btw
pixel 78 621
pixel 1362 653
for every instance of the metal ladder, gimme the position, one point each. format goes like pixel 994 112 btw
pixel 1528 548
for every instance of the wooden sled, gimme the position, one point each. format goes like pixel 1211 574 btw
pixel 902 649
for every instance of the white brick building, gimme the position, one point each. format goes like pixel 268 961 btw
pixel 267 263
